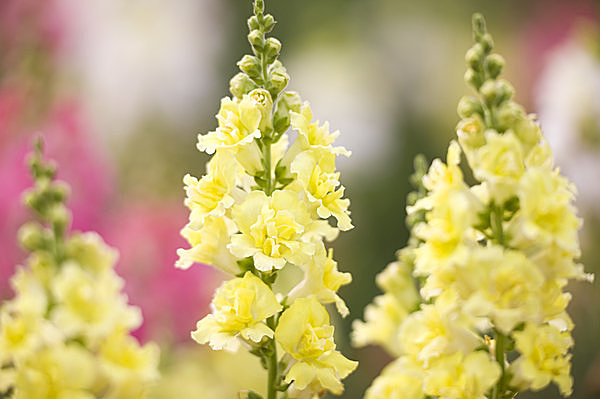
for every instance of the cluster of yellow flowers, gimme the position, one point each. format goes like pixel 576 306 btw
pixel 66 332
pixel 491 260
pixel 263 208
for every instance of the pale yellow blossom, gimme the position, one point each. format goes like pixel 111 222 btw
pixel 275 230
pixel 315 171
pixel 544 358
pixel 209 245
pixel 240 307
pixel 305 334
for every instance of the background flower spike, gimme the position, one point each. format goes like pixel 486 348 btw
pixel 67 330
pixel 489 261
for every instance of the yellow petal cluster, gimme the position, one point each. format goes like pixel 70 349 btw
pixel 240 307
pixel 305 334
pixel 385 316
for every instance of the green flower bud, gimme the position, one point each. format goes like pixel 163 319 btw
pixel 288 101
pixel 257 40
pixel 505 91
pixel 60 191
pixel 468 106
pixel 253 23
pixel 487 42
pixel 278 79
pixel 271 49
pixel 268 23
pixel 474 56
pixel 495 64
pixel 60 217
pixel 32 236
pixel 508 115
pixel 241 84
pixel 473 78
pixel 251 66
pixel 489 91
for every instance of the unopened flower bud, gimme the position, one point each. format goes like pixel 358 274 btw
pixel 241 84
pixel 505 91
pixel 253 23
pixel 467 106
pixel 487 42
pixel 473 78
pixel 31 236
pixel 489 91
pixel 268 23
pixel 60 191
pixel 474 56
pixel 60 217
pixel 251 66
pixel 272 49
pixel 495 64
pixel 278 79
pixel 256 39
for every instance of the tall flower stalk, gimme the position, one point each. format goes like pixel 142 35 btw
pixel 491 261
pixel 66 332
pixel 262 209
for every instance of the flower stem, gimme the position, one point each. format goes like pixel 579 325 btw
pixel 499 389
pixel 272 365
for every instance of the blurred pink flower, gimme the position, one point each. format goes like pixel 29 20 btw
pixel 172 300
pixel 79 164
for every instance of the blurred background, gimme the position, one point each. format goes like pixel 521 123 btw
pixel 121 88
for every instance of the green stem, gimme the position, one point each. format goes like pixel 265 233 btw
pixel 499 389
pixel 498 230
pixel 272 365
pixel 267 165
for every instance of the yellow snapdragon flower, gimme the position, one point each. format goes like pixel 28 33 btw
pixel 276 229
pixel 544 358
pixel 91 306
pixel 240 307
pixel 502 285
pixel 209 245
pixel 436 330
pixel 239 120
pixel 90 251
pixel 312 135
pixel 461 376
pixel 61 371
pixel 128 365
pixel 401 379
pixel 547 215
pixel 305 334
pixel 500 163
pixel 384 317
pixel 315 171
pixel 211 195
pixel 322 279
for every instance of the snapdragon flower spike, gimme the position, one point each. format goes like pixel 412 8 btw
pixel 264 207
pixel 66 332
pixel 492 259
